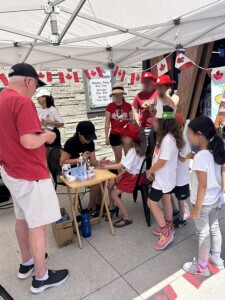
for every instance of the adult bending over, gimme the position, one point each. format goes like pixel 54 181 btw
pixel 83 142
pixel 117 115
pixel 24 172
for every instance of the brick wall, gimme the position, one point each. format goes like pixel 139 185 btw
pixel 70 101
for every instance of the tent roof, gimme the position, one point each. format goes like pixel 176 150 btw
pixel 95 32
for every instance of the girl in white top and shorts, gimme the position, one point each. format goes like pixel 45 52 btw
pixel 163 174
pixel 205 194
pixel 49 115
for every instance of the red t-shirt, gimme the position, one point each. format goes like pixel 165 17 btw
pixel 18 116
pixel 139 100
pixel 118 115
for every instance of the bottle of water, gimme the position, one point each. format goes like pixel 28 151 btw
pixel 83 168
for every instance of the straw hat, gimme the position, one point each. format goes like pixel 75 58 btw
pixel 117 89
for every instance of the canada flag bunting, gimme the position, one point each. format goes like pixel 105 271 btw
pixel 119 73
pixel 183 62
pixel 46 76
pixel 162 67
pixel 135 78
pixel 217 74
pixel 4 79
pixel 65 77
pixel 95 73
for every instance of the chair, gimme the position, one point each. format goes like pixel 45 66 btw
pixel 144 189
pixel 56 170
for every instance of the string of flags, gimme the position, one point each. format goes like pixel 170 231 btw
pixel 182 62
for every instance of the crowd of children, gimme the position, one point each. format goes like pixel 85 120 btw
pixel 170 174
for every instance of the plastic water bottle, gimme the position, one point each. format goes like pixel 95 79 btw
pixel 83 168
pixel 85 225
pixel 194 263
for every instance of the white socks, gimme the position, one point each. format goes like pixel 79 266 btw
pixel 29 262
pixel 45 277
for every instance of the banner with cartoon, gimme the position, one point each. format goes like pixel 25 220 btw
pixel 218 105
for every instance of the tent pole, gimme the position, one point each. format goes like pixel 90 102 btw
pixel 71 19
pixel 35 40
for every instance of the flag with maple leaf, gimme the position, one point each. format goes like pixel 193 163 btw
pixel 162 67
pixel 217 74
pixel 95 73
pixel 183 62
pixel 65 77
pixel 119 73
pixel 45 76
pixel 4 79
pixel 135 78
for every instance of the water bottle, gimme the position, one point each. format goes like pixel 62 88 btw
pixel 194 263
pixel 85 225
pixel 83 168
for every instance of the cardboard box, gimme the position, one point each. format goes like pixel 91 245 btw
pixel 63 232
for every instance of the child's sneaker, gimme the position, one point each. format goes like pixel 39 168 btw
pixel 218 263
pixel 157 230
pixel 178 223
pixel 194 269
pixel 164 241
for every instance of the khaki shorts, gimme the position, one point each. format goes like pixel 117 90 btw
pixel 34 201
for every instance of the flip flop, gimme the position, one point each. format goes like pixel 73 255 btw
pixel 125 223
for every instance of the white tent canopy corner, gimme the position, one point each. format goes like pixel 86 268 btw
pixel 88 33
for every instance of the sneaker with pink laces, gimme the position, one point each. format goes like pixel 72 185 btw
pixel 164 241
pixel 157 230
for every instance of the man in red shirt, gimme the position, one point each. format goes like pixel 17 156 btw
pixel 143 104
pixel 24 172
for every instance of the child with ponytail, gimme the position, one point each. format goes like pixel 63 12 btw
pixel 205 194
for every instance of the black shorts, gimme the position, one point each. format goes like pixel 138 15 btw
pixel 156 195
pixel 182 192
pixel 115 139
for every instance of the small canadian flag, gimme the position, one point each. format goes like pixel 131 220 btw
pixel 217 74
pixel 46 76
pixel 162 67
pixel 95 73
pixel 65 77
pixel 119 73
pixel 135 78
pixel 4 79
pixel 183 62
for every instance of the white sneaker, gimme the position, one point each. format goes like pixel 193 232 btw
pixel 218 263
pixel 194 269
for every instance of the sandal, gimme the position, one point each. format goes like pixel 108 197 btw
pixel 114 211
pixel 124 222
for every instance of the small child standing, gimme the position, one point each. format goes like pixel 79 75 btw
pixel 182 189
pixel 130 167
pixel 163 174
pixel 205 194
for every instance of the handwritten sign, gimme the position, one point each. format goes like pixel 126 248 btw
pixel 99 90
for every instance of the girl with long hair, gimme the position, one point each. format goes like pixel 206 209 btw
pixel 163 174
pixel 205 194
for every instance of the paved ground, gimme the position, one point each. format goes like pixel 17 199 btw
pixel 122 267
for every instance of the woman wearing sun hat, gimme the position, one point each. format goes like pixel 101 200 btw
pixel 117 116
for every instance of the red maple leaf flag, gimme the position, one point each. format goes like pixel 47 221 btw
pixel 162 67
pixel 119 73
pixel 135 78
pixel 95 73
pixel 65 77
pixel 183 62
pixel 217 74
pixel 4 79
pixel 45 75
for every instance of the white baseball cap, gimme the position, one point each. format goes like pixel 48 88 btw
pixel 42 92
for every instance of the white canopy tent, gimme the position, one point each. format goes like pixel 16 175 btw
pixel 88 33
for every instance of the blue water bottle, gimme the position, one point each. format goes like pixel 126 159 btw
pixel 85 225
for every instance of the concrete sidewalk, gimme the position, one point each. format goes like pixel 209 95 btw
pixel 122 267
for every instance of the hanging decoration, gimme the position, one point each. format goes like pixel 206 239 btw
pixel 217 75
pixel 95 73
pixel 164 66
pixel 65 77
pixel 4 79
pixel 183 62
pixel 45 75
pixel 119 73
pixel 135 78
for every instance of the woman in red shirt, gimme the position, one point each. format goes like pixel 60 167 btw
pixel 117 115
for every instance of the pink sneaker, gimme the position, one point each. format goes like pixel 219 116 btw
pixel 157 230
pixel 164 241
